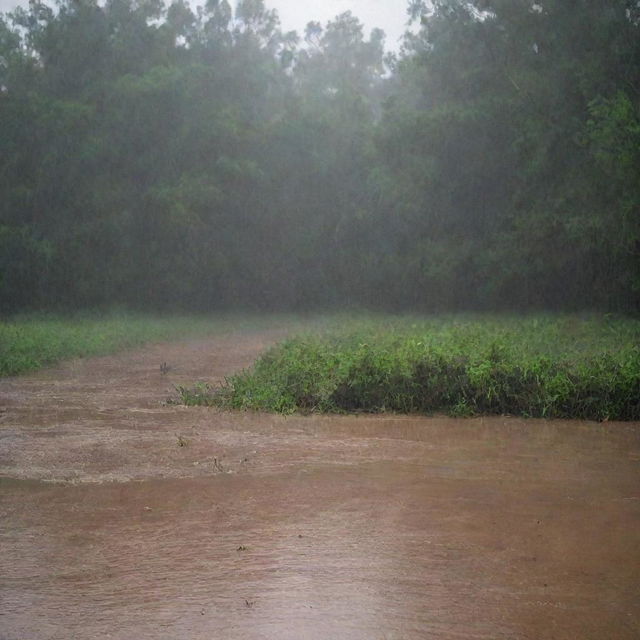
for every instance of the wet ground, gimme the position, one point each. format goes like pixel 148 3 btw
pixel 122 517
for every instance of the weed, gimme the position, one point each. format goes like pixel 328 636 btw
pixel 540 366
pixel 182 442
pixel 200 394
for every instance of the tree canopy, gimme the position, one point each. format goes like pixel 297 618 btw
pixel 158 157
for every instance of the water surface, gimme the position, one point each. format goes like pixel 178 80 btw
pixel 266 527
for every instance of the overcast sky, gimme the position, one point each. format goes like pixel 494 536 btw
pixel 389 15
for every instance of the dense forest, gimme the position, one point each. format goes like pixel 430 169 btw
pixel 165 157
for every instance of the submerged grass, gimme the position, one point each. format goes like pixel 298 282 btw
pixel 30 342
pixel 541 366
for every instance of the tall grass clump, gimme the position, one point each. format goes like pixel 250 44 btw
pixel 543 366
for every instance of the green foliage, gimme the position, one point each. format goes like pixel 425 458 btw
pixel 158 157
pixel 31 342
pixel 512 136
pixel 541 366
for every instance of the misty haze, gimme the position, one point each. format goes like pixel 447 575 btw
pixel 320 319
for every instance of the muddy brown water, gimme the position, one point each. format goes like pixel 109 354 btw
pixel 269 527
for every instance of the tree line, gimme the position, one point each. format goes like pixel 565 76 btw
pixel 164 157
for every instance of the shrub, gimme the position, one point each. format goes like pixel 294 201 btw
pixel 542 366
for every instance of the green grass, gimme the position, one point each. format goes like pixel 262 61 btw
pixel 31 342
pixel 536 366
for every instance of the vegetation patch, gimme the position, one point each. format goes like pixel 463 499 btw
pixel 543 366
pixel 28 343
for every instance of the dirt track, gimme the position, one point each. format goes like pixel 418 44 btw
pixel 266 527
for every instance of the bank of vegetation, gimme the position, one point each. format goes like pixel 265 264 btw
pixel 31 342
pixel 158 156
pixel 538 366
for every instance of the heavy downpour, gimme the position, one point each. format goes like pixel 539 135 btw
pixel 320 320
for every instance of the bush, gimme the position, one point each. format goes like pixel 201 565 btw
pixel 543 366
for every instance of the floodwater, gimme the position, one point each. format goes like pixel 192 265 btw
pixel 123 517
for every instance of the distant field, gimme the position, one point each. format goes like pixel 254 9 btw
pixel 538 366
pixel 31 342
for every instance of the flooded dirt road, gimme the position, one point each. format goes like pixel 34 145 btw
pixel 165 522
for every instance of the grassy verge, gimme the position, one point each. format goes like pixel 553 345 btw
pixel 31 342
pixel 542 366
